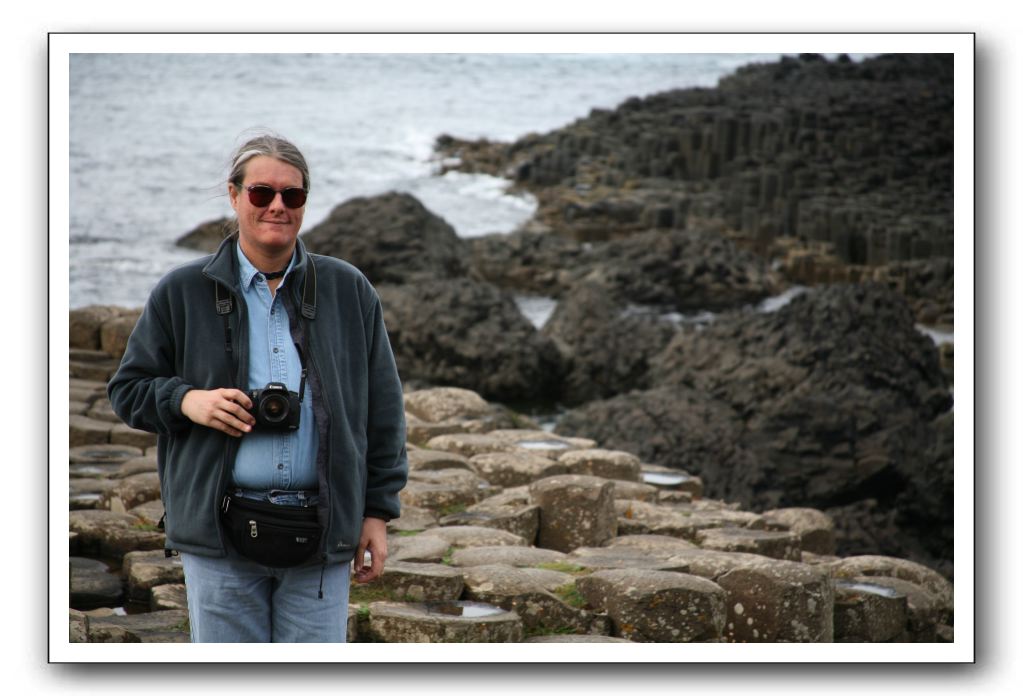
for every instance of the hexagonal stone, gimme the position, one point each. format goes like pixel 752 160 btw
pixel 713 564
pixel 518 496
pixel 632 490
pixel 541 442
pixel 416 549
pixel 102 454
pixel 412 519
pixel 421 582
pixel 84 323
pixel 433 460
pixel 122 434
pixel 659 545
pixel 446 488
pixel 468 536
pixel 568 638
pixel 93 585
pixel 149 513
pixel 530 593
pixel 131 491
pixel 138 465
pixel 469 444
pixel 420 432
pixel 78 627
pixel 442 622
pixel 446 403
pixel 603 558
pixel 522 521
pixel 918 574
pixel 926 610
pixel 575 511
pixel 778 601
pixel 514 468
pixel 610 464
pixel 816 529
pixel 83 430
pixel 93 525
pixel 147 569
pixel 657 606
pixel 516 556
pixel 154 627
pixel 164 597
pixel 869 613
pixel 781 545
pixel 91 369
pixel 87 493
pixel 117 542
pixel 102 410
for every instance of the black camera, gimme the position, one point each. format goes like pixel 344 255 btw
pixel 274 407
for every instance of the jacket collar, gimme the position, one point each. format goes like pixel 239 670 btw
pixel 223 266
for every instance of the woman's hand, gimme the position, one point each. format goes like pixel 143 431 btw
pixel 220 409
pixel 374 540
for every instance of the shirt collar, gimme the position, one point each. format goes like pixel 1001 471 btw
pixel 247 272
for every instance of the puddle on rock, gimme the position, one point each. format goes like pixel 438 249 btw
pixel 543 444
pixel 467 610
pixel 870 588
pixel 656 478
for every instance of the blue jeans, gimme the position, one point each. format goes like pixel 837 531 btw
pixel 235 600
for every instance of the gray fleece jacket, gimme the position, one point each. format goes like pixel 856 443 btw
pixel 182 342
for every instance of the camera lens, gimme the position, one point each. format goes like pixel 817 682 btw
pixel 274 408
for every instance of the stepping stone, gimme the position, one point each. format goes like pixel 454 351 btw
pixel 132 491
pixel 574 511
pixel 92 370
pixel 537 596
pixel 869 613
pixel 164 597
pixel 78 627
pixel 514 468
pixel 432 460
pixel 83 430
pixel 444 489
pixel 516 556
pixel 413 519
pixel 713 564
pixel 101 471
pixel 653 544
pixel 138 465
pixel 420 432
pixel 657 606
pixel 469 444
pixel 416 549
pixel 778 601
pixel 154 627
pixel 575 639
pixel 926 611
pixel 93 585
pixel 442 622
pixel 522 521
pixel 122 434
pixel 147 569
pixel 541 442
pixel 517 496
pixel 87 493
pixel 446 403
pixel 103 411
pixel 781 545
pixel 609 464
pixel 918 574
pixel 421 582
pixel 602 558
pixel 102 454
pixel 816 529
pixel 107 534
pixel 149 513
pixel 464 537
pixel 631 490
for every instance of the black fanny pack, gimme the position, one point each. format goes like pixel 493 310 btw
pixel 278 536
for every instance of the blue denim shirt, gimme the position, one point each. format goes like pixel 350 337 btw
pixel 274 460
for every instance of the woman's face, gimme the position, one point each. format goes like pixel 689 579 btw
pixel 269 230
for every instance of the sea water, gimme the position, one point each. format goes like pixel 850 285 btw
pixel 151 136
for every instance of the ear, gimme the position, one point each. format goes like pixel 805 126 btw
pixel 233 192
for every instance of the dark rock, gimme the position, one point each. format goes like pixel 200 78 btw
pixel 470 335
pixel 169 626
pixel 207 236
pixel 392 238
pixel 830 401
pixel 93 585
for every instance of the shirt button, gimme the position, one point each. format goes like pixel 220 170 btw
pixel 280 466
pixel 275 349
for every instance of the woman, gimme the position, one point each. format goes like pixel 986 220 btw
pixel 267 373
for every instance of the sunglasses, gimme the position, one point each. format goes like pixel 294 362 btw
pixel 262 195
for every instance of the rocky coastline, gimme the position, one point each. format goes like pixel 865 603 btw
pixel 740 282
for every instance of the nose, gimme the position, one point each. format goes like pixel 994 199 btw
pixel 277 203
